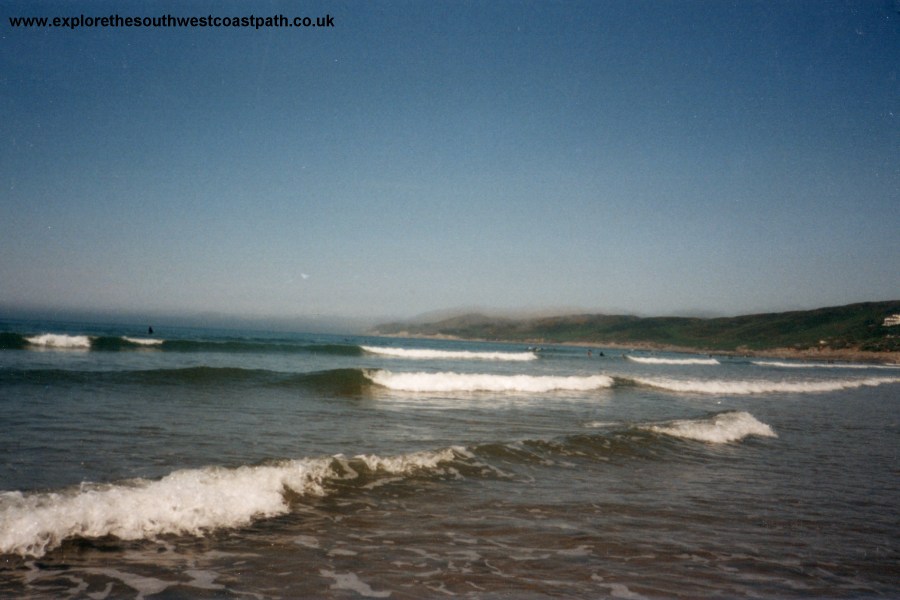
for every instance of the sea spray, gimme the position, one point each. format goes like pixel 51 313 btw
pixel 722 428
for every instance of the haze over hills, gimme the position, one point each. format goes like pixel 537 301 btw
pixel 858 327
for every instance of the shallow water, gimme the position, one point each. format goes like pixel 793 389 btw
pixel 271 465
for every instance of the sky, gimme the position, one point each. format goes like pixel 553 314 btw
pixel 643 157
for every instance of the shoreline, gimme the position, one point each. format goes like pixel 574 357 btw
pixel 810 354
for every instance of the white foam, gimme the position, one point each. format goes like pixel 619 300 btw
pixel 603 424
pixel 405 463
pixel 652 360
pixel 618 590
pixel 307 541
pixel 190 501
pixel 718 429
pixel 428 354
pixel 747 387
pixel 142 341
pixel 351 582
pixel 483 382
pixel 59 340
pixel 806 365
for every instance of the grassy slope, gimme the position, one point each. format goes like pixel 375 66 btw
pixel 857 326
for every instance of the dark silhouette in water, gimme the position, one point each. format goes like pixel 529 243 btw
pixel 150 330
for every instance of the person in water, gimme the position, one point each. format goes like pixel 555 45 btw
pixel 150 330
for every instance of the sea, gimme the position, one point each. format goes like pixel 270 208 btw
pixel 202 463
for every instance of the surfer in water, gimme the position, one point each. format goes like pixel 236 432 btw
pixel 150 330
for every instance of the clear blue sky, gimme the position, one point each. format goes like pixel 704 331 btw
pixel 652 157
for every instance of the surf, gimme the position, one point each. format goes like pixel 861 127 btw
pixel 189 501
pixel 652 360
pixel 198 501
pixel 749 387
pixel 64 341
pixel 722 428
pixel 818 365
pixel 448 382
pixel 113 343
pixel 142 341
pixel 59 340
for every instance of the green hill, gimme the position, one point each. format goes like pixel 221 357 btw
pixel 854 326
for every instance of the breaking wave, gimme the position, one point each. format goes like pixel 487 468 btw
pixel 652 360
pixel 481 382
pixel 198 501
pixel 721 428
pixel 58 340
pixel 354 381
pixel 747 387
pixel 142 341
pixel 428 353
pixel 16 341
pixel 78 342
pixel 806 365
pixel 191 501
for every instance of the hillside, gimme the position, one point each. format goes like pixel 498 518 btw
pixel 851 327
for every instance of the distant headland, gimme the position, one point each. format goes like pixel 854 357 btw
pixel 868 331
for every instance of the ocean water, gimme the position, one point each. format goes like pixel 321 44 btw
pixel 225 464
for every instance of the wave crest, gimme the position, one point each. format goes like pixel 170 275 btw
pixel 197 501
pixel 143 341
pixel 747 387
pixel 652 360
pixel 809 365
pixel 428 353
pixel 482 382
pixel 722 428
pixel 191 501
pixel 59 340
